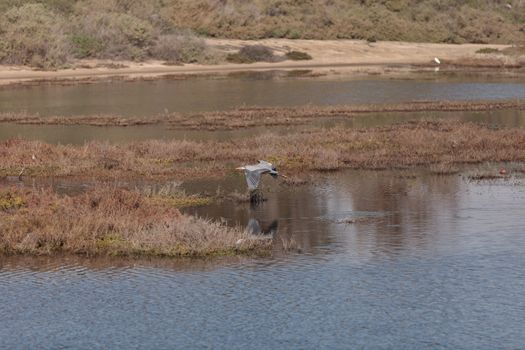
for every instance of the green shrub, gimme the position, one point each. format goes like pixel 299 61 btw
pixel 251 54
pixel 487 50
pixel 298 56
pixel 85 46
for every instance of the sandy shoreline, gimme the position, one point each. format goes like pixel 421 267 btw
pixel 347 56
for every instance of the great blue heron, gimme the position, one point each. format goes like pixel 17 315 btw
pixel 253 175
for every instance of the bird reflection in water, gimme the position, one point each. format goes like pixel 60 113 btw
pixel 255 228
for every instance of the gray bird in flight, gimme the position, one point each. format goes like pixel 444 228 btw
pixel 254 172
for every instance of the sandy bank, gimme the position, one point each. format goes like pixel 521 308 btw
pixel 350 56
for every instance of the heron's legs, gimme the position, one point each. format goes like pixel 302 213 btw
pixel 256 196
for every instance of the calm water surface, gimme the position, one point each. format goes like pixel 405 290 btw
pixel 150 98
pixel 80 134
pixel 438 263
pixel 145 98
pixel 429 262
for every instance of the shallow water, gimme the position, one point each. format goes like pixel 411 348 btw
pixel 151 98
pixel 438 262
pixel 80 134
pixel 148 98
pixel 428 262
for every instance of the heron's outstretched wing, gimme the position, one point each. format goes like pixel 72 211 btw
pixel 253 173
pixel 253 177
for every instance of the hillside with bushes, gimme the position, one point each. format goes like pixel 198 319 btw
pixel 449 21
pixel 50 33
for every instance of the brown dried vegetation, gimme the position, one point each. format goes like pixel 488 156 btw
pixel 110 221
pixel 258 116
pixel 422 143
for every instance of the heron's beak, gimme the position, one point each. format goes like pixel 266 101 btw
pixel 240 168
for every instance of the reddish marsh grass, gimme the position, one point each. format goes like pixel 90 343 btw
pixel 109 221
pixel 262 116
pixel 257 116
pixel 422 143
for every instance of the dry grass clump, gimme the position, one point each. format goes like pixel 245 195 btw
pixel 422 143
pixel 252 54
pixel 488 50
pixel 298 56
pixel 110 221
pixel 261 53
pixel 183 47
pixel 326 159
pixel 172 195
pixel 9 201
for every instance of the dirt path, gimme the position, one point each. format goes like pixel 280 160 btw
pixel 349 56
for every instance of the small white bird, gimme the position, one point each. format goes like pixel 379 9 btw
pixel 33 157
pixel 509 6
pixel 437 60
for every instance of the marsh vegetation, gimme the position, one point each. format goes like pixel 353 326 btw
pixel 114 221
pixel 246 117
pixel 418 143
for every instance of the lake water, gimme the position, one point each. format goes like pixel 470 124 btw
pixel 388 260
pixel 151 98
pixel 431 262
pixel 80 134
pixel 144 98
